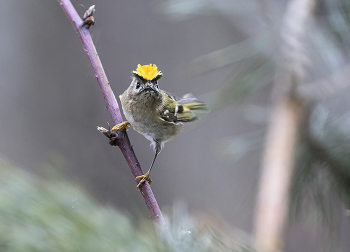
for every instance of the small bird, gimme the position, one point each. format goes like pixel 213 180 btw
pixel 154 113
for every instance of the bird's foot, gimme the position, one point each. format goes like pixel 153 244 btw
pixel 113 136
pixel 120 126
pixel 144 178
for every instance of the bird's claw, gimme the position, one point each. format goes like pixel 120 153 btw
pixel 120 126
pixel 144 178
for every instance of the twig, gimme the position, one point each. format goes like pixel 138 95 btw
pixel 82 28
pixel 278 160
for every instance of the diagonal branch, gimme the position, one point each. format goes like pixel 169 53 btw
pixel 123 140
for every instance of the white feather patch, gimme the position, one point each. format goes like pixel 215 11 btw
pixel 176 109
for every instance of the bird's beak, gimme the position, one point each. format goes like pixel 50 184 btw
pixel 148 88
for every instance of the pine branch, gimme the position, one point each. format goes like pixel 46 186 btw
pixel 322 89
pixel 82 28
pixel 283 133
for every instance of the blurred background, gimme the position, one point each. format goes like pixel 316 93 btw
pixel 225 53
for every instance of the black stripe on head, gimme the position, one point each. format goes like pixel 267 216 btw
pixel 157 78
pixel 139 77
pixel 180 109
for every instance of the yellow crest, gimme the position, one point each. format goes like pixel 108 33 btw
pixel 148 72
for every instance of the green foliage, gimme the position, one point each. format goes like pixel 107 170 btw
pixel 337 14
pixel 322 175
pixel 323 158
pixel 39 214
pixel 42 215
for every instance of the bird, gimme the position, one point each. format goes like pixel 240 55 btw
pixel 156 114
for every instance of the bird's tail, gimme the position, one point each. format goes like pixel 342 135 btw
pixel 188 108
pixel 192 103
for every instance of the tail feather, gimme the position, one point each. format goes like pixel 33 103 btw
pixel 192 103
pixel 196 106
pixel 190 107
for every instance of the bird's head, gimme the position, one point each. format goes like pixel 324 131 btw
pixel 145 80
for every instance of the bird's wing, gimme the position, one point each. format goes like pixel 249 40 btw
pixel 172 111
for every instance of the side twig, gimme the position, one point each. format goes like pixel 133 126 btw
pixel 82 28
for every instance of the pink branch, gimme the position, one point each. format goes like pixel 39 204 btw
pixel 114 111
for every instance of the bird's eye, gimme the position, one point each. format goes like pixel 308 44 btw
pixel 138 85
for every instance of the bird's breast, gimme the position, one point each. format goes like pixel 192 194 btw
pixel 144 116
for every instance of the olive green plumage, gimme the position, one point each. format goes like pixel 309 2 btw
pixel 154 113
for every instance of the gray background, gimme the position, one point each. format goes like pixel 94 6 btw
pixel 50 105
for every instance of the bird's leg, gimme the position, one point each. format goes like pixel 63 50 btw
pixel 146 175
pixel 120 126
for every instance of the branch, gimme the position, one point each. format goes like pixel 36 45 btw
pixel 82 28
pixel 283 133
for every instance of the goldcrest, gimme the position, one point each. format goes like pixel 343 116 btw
pixel 154 113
